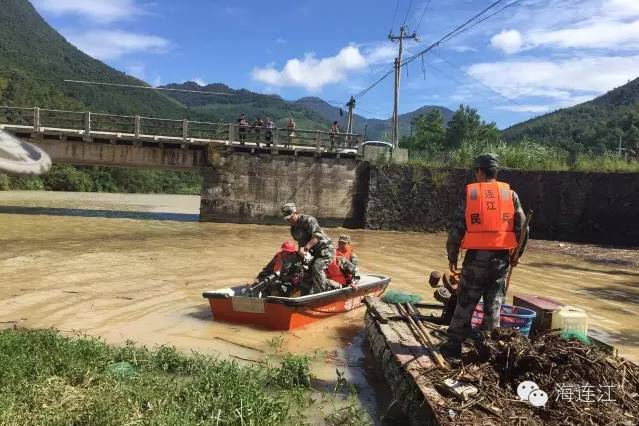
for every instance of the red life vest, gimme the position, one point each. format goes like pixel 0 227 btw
pixel 334 273
pixel 490 217
pixel 347 253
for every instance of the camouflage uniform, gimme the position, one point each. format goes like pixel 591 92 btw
pixel 323 252
pixel 484 275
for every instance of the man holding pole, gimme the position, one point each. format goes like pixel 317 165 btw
pixel 491 225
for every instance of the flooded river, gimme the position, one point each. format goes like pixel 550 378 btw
pixel 133 267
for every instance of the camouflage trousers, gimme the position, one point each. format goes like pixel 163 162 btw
pixel 487 279
pixel 317 281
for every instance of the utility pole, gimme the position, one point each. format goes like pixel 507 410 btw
pixel 398 67
pixel 349 121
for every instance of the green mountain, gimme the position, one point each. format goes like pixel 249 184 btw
pixel 35 60
pixel 597 126
pixel 373 128
pixel 226 109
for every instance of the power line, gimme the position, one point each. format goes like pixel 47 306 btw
pixel 484 85
pixel 423 13
pixel 487 17
pixel 132 86
pixel 394 16
pixel 442 40
pixel 453 33
pixel 410 5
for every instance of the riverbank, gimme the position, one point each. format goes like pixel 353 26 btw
pixel 47 378
pixel 104 265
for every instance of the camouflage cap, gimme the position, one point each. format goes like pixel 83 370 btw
pixel 344 238
pixel 486 161
pixel 288 210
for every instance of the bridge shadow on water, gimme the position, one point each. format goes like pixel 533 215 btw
pixel 111 214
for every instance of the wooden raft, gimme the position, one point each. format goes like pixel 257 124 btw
pixel 402 360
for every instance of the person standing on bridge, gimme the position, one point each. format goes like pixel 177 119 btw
pixel 488 225
pixel 334 131
pixel 242 126
pixel 311 239
pixel 257 128
pixel 291 132
pixel 268 130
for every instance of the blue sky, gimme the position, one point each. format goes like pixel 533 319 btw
pixel 532 58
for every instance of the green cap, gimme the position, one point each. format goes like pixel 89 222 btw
pixel 486 161
pixel 288 210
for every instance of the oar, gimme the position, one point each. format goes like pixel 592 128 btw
pixel 515 255
pixel 424 339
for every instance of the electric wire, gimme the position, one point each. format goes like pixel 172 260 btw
pixel 132 86
pixel 423 13
pixel 478 81
pixel 445 38
pixel 452 34
pixel 394 16
pixel 410 5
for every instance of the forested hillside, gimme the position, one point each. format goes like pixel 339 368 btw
pixel 373 128
pixel 226 109
pixel 596 126
pixel 34 62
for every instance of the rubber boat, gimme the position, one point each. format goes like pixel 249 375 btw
pixel 287 313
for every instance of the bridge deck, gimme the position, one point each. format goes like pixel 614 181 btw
pixel 110 128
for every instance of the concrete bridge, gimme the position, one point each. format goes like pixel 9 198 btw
pixel 244 180
pixel 88 138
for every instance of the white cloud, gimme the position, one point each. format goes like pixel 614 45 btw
pixel 534 108
pixel 312 73
pixel 463 49
pixel 569 81
pixel 280 40
pixel 600 34
pixel 199 81
pixel 113 44
pixel 586 24
pixel 384 52
pixel 157 81
pixel 622 8
pixel 136 71
pixel 510 41
pixel 99 11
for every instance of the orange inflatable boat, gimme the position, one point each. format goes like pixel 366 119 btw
pixel 286 313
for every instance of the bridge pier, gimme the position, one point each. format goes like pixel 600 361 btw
pixel 251 188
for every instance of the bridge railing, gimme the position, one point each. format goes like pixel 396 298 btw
pixel 99 124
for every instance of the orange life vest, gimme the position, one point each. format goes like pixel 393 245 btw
pixel 347 253
pixel 490 217
pixel 334 273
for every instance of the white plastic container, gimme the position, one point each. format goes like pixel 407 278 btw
pixel 570 318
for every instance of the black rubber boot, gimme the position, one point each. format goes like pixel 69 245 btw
pixel 451 349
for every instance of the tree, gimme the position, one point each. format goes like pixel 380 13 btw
pixel 429 131
pixel 466 126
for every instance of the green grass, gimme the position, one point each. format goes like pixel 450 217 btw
pixel 50 379
pixel 527 155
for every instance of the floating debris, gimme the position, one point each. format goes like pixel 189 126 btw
pixel 544 381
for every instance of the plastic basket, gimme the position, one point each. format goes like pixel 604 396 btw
pixel 514 317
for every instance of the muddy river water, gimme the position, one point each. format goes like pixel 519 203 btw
pixel 133 267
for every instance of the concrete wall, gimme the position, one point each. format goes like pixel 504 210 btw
pixel 598 208
pixel 106 154
pixel 251 188
pixel 372 153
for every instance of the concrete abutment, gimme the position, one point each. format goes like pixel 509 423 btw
pixel 251 188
